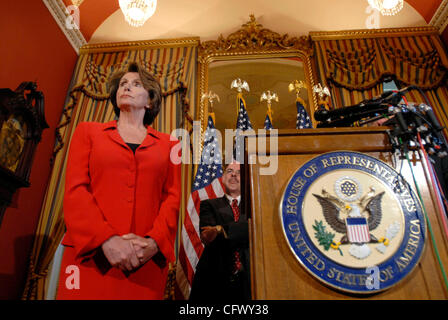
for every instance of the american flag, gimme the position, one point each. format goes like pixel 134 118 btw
pixel 303 120
pixel 242 124
pixel 357 230
pixel 206 185
pixel 268 123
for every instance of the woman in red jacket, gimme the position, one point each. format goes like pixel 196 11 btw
pixel 121 203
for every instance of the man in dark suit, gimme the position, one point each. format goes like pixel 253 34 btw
pixel 223 269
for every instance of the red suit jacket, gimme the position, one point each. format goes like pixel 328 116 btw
pixel 110 191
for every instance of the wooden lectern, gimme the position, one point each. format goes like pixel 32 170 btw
pixel 275 272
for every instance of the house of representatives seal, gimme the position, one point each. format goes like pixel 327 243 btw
pixel 353 222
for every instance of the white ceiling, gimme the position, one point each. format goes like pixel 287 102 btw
pixel 210 18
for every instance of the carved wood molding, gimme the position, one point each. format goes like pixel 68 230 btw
pixel 252 37
pixel 61 15
pixel 372 33
pixel 139 45
pixel 440 18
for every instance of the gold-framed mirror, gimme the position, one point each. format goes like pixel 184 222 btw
pixel 267 61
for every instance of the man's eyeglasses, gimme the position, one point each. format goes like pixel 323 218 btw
pixel 231 171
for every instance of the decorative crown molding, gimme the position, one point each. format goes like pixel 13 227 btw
pixel 69 28
pixel 143 44
pixel 372 33
pixel 440 18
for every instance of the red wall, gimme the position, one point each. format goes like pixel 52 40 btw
pixel 426 8
pixel 32 48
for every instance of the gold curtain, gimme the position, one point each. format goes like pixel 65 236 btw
pixel 353 65
pixel 173 62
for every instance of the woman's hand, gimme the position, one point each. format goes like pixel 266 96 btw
pixel 120 253
pixel 145 248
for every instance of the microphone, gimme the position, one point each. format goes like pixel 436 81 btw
pixel 439 141
pixel 323 114
pixel 432 117
pixel 417 117
pixel 388 97
pixel 348 120
pixel 398 112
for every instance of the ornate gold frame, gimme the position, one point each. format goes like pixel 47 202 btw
pixel 372 33
pixel 252 41
pixel 138 45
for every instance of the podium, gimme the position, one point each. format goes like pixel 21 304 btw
pixel 275 272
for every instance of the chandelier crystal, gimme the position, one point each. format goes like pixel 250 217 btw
pixel 136 12
pixel 387 7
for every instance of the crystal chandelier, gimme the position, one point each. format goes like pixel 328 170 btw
pixel 136 12
pixel 387 7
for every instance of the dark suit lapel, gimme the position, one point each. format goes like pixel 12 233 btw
pixel 225 210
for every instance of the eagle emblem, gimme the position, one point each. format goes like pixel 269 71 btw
pixel 345 214
pixel 352 215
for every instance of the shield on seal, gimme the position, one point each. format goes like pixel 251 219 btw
pixel 357 230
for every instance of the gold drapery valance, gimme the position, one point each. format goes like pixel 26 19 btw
pixel 354 63
pixel 360 60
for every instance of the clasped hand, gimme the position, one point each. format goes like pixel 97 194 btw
pixel 208 234
pixel 129 251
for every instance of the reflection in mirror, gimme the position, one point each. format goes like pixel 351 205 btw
pixel 273 74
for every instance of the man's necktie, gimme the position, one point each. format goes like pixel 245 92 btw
pixel 236 210
pixel 236 216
